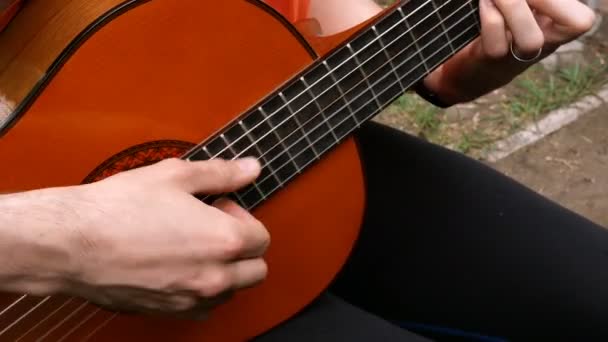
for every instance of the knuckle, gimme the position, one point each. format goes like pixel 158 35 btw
pixel 220 170
pixel 584 22
pixel 508 4
pixel 263 273
pixel 214 283
pixel 177 169
pixel 493 21
pixel 264 235
pixel 496 52
pixel 234 243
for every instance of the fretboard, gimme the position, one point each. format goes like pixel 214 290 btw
pixel 309 116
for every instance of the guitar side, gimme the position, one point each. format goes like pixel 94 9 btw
pixel 147 85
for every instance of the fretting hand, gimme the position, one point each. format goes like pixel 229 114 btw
pixel 487 63
pixel 515 34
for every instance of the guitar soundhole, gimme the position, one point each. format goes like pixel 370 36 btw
pixel 138 156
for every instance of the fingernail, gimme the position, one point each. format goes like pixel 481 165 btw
pixel 249 165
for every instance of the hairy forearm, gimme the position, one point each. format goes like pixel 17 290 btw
pixel 35 238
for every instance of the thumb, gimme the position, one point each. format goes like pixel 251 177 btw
pixel 217 176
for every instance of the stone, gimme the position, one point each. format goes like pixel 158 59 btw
pixel 550 63
pixel 573 46
pixel 566 59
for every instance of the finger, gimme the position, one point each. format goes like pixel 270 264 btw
pixel 493 30
pixel 247 273
pixel 212 176
pixel 255 236
pixel 573 17
pixel 527 36
pixel 554 37
pixel 233 209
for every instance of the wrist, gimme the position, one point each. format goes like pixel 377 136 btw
pixel 37 242
pixel 471 73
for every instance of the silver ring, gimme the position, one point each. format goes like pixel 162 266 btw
pixel 525 60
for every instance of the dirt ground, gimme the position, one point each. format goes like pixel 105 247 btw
pixel 569 167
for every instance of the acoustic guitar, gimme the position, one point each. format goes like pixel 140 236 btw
pixel 90 88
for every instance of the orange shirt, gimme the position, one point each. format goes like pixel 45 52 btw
pixel 293 10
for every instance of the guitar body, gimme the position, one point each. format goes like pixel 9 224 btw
pixel 148 84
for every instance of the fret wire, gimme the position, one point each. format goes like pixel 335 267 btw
pixel 276 134
pixel 461 33
pixel 445 31
pixel 348 59
pixel 257 148
pixel 231 149
pixel 272 191
pixel 365 76
pixel 300 127
pixel 115 314
pixel 204 149
pixel 426 45
pixel 409 46
pixel 401 35
pixel 321 110
pixel 339 87
pixel 411 31
pixel 228 144
pixel 388 57
pixel 477 24
pixel 401 64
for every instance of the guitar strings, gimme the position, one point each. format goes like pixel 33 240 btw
pixel 450 42
pixel 17 301
pixel 81 323
pixel 65 319
pixel 327 149
pixel 287 103
pixel 322 137
pixel 92 314
pixel 44 319
pixel 352 115
pixel 347 104
pixel 8 327
pixel 100 326
pixel 341 64
pixel 115 314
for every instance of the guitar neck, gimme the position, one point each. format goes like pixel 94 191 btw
pixel 313 113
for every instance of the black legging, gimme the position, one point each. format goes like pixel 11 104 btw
pixel 452 249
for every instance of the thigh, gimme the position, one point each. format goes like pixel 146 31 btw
pixel 449 241
pixel 331 319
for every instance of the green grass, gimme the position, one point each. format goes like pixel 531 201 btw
pixel 536 95
pixel 526 100
pixel 426 117
pixel 475 140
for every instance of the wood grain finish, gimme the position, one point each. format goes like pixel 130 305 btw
pixel 174 70
pixel 36 37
